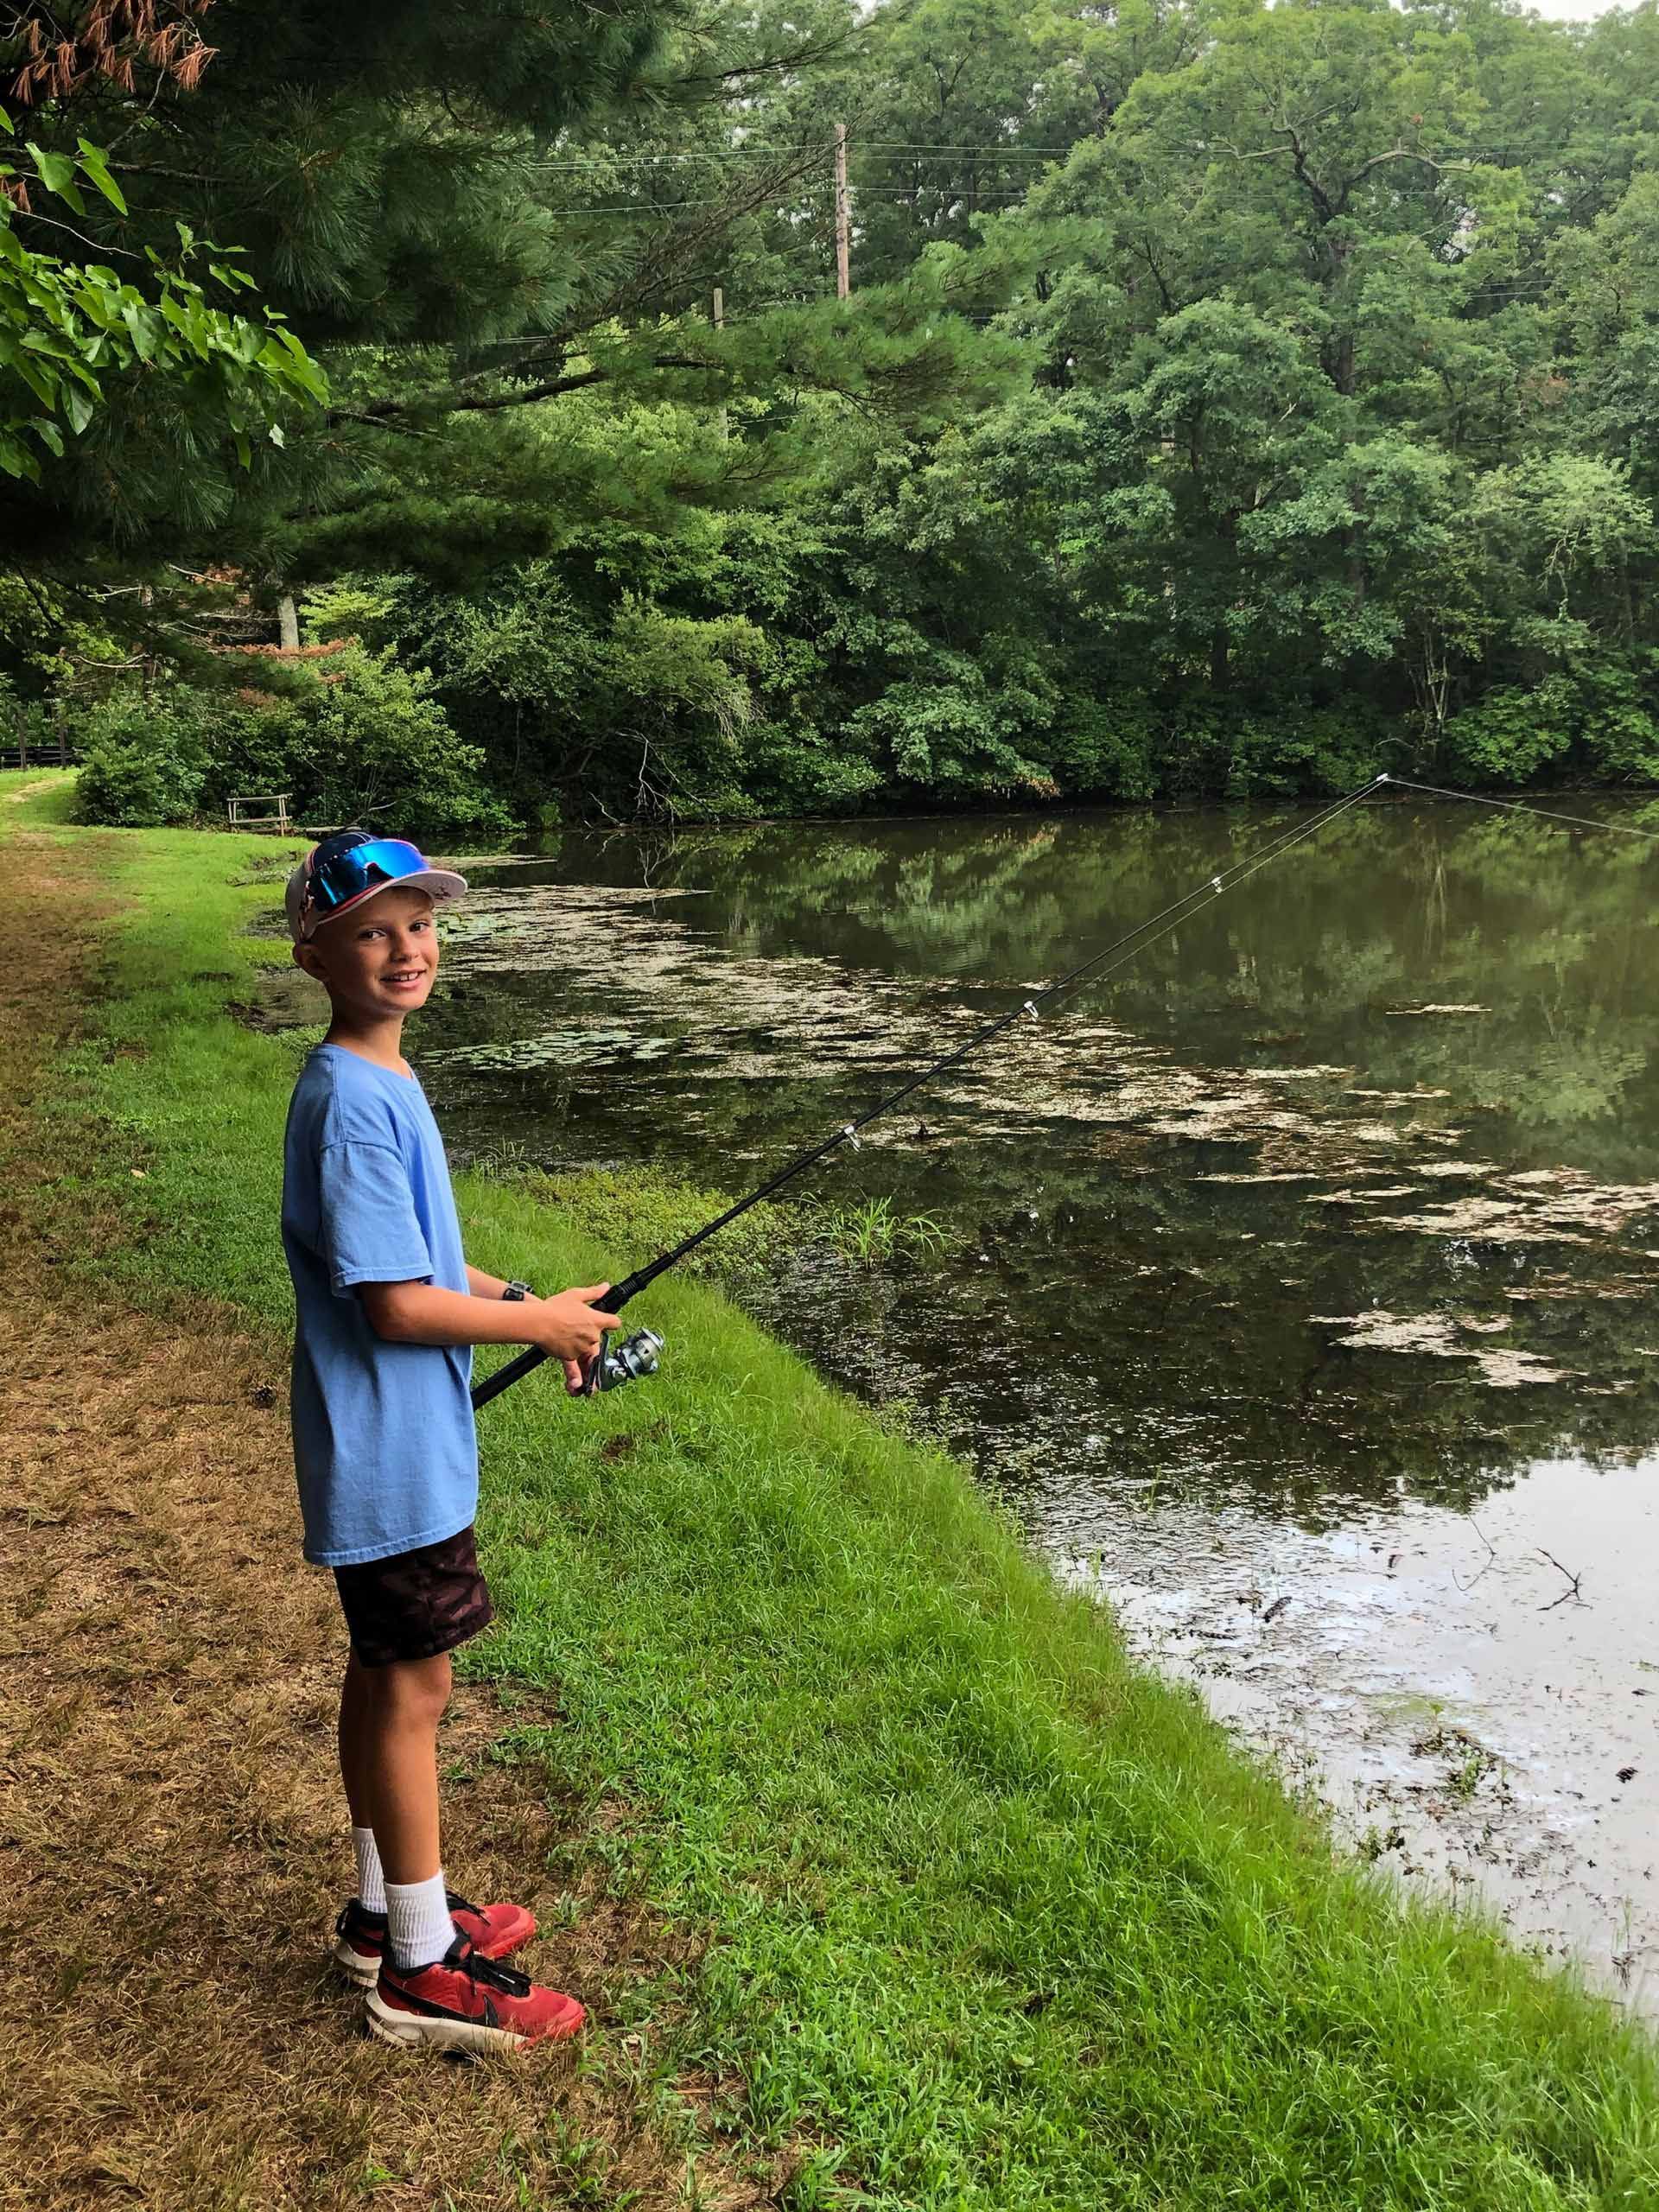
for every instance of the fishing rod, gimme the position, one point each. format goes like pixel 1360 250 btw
pixel 640 1354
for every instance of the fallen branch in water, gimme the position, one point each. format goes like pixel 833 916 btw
pixel 1575 1593
pixel 1465 1587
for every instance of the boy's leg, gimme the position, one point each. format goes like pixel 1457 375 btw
pixel 354 1753
pixel 389 1717
pixel 353 1739
pixel 388 1720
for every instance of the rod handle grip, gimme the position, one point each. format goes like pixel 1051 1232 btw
pixel 505 1377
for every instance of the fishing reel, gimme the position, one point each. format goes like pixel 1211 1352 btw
pixel 636 1356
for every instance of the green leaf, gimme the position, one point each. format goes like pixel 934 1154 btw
pixel 55 170
pixel 243 450
pixel 48 433
pixel 16 460
pixel 276 437
pixel 41 381
pixel 57 173
pixel 140 323
pixel 77 407
pixel 94 165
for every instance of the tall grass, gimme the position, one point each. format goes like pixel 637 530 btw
pixel 989 1916
pixel 871 1233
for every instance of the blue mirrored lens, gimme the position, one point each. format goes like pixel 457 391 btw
pixel 363 867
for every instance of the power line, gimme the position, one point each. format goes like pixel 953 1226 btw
pixel 740 152
pixel 1008 149
pixel 666 207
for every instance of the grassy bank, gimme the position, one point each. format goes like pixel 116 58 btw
pixel 984 1914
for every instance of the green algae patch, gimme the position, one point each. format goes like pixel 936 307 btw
pixel 981 1912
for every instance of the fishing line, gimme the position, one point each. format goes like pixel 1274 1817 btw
pixel 608 1371
pixel 1518 806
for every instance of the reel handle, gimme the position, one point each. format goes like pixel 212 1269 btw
pixel 593 1371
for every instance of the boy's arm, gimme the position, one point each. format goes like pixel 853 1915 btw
pixel 483 1285
pixel 568 1328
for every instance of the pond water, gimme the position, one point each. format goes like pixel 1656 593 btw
pixel 1301 1290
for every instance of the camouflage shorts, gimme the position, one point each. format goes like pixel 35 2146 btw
pixel 415 1603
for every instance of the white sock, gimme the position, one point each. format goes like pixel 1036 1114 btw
pixel 420 1929
pixel 371 1883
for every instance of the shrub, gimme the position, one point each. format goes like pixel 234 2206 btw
pixel 379 748
pixel 1515 730
pixel 143 764
pixel 359 738
pixel 1595 717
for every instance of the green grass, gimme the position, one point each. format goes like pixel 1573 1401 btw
pixel 36 798
pixel 992 1917
pixel 871 1233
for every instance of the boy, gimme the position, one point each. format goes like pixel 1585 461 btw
pixel 383 1444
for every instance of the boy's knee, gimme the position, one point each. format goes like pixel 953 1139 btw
pixel 412 1690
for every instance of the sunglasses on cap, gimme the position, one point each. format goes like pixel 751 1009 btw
pixel 342 876
pixel 352 866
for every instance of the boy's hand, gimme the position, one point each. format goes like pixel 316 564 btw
pixel 569 1327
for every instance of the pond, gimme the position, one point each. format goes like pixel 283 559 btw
pixel 1300 1296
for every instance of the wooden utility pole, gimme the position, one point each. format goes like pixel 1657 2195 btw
pixel 844 279
pixel 720 324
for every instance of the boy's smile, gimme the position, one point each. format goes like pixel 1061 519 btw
pixel 378 961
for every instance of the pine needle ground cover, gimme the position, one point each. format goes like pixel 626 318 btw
pixel 976 1912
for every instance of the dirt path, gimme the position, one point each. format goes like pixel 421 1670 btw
pixel 173 1843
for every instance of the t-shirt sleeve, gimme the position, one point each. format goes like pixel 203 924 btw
pixel 371 1232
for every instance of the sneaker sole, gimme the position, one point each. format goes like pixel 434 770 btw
pixel 410 2031
pixel 362 1971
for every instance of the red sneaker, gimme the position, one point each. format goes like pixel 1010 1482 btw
pixel 496 1930
pixel 467 2002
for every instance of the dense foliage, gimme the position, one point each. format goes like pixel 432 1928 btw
pixel 66 325
pixel 1230 399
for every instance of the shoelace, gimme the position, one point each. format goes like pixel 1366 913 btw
pixel 495 1973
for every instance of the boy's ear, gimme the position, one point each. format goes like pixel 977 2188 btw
pixel 305 955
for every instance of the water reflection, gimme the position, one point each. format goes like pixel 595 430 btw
pixel 1321 1097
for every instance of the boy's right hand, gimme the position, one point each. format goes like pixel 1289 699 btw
pixel 569 1327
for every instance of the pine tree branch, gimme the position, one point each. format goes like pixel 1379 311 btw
pixel 384 413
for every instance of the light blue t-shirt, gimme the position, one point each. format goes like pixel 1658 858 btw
pixel 385 1445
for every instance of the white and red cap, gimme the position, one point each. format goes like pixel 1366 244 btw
pixel 354 866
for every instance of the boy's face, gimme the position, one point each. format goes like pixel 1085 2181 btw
pixel 380 959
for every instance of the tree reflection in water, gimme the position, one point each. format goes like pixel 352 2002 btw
pixel 1123 1302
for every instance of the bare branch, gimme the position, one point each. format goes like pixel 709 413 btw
pixel 1575 1593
